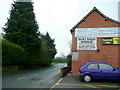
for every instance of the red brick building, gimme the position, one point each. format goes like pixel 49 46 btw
pixel 95 39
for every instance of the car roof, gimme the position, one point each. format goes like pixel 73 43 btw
pixel 96 63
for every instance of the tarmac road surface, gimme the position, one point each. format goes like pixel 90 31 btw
pixel 43 78
pixel 74 83
pixel 49 79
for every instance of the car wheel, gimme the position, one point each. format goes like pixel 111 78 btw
pixel 87 78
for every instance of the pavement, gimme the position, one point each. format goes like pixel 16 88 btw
pixel 70 82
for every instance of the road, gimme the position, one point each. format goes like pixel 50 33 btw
pixel 50 78
pixel 43 78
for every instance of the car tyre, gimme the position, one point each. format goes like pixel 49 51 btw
pixel 87 78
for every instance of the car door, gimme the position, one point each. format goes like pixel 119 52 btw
pixel 93 70
pixel 107 72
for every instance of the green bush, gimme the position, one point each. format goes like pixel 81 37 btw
pixel 60 60
pixel 13 54
pixel 69 59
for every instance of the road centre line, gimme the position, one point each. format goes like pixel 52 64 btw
pixel 56 83
pixel 26 76
pixel 33 74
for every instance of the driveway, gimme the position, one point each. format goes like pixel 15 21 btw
pixel 75 83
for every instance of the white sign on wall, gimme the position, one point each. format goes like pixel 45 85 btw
pixel 88 43
pixel 98 32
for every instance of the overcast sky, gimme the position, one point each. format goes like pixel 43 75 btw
pixel 59 16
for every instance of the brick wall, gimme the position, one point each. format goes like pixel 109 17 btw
pixel 107 53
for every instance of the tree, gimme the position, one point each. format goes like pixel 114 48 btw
pixel 60 60
pixel 22 28
pixel 51 46
pixel 48 47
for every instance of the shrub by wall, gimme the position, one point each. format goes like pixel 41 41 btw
pixel 12 54
pixel 60 60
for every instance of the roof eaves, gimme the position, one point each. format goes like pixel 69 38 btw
pixel 77 24
pixel 94 9
pixel 110 19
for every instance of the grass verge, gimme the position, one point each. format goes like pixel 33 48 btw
pixel 25 70
pixel 53 63
pixel 13 72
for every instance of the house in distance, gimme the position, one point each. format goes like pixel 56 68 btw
pixel 95 39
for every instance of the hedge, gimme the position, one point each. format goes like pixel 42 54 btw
pixel 13 54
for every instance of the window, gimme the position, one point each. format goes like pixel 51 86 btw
pixel 105 67
pixel 93 66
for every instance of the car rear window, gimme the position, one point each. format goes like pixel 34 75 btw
pixel 93 66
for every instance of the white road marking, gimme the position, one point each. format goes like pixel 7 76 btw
pixel 33 74
pixel 27 76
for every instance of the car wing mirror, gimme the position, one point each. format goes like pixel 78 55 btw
pixel 114 69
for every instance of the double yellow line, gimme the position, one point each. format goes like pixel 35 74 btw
pixel 80 85
pixel 91 86
pixel 108 86
pixel 70 84
pixel 56 84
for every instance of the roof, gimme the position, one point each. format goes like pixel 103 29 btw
pixel 96 63
pixel 94 9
